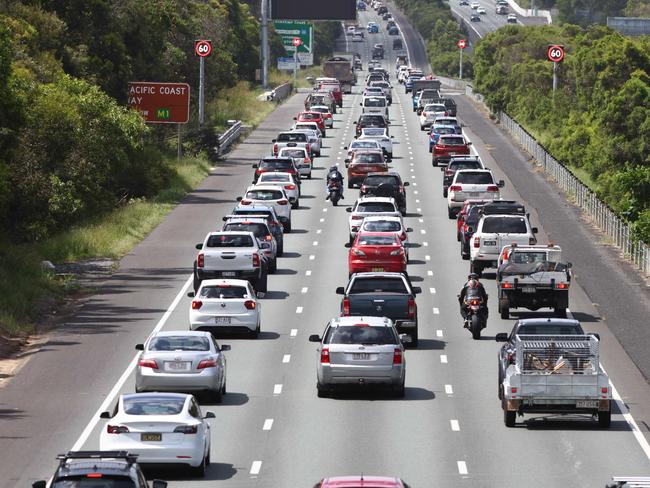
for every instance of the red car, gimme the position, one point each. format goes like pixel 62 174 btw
pixel 312 117
pixel 460 218
pixel 361 482
pixel 335 90
pixel 448 146
pixel 376 252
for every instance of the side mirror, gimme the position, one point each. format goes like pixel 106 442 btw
pixel 295 118
pixel 209 415
pixel 105 415
pixel 534 229
pixel 348 245
pixel 191 294
pixel 199 245
pixel 39 484
pixel 139 347
pixel 392 137
pixel 224 347
pixel 345 147
pixel 340 290
pixel 347 160
pixel 409 229
pixel 405 339
pixel 469 143
pixel 314 338
pixel 354 123
pixel 361 105
pixel 501 337
pixel 224 218
pixel 442 168
pixel 501 184
pixel 273 140
pixel 159 484
pixel 260 294
pixel 239 199
pixel 348 209
pixel 416 290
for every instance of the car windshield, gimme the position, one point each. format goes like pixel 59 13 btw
pixel 378 285
pixel 369 158
pixel 382 226
pixel 264 194
pixel 475 178
pixel 230 240
pixel 258 229
pixel 550 329
pixel 456 165
pixel 293 153
pixel 292 137
pixel 152 405
pixel 452 141
pixel 179 343
pixel 359 334
pixel 364 145
pixel 223 291
pixel 106 481
pixel 366 240
pixel 505 225
pixel 376 180
pixel 375 207
pixel 375 102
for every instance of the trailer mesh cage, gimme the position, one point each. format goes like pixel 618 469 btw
pixel 630 482
pixel 557 354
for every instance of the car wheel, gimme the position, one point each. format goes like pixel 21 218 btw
pixel 207 460
pixel 500 387
pixel 216 395
pixel 322 391
pixel 199 471
pixel 414 339
pixel 287 229
pixel 451 213
pixel 434 161
pixel 350 185
pixel 399 391
pixel 255 333
pixel 504 309
pixel 510 418
pixel 261 284
pixel 444 193
pixel 295 204
pixel 309 176
pixel 196 281
pixel 274 266
pixel 605 418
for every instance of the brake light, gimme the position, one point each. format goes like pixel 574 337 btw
pixel 465 228
pixel 200 261
pixel 250 305
pixel 507 285
pixel 346 306
pixel 148 363
pixel 455 188
pixel 513 389
pixel 196 304
pixel 604 389
pixel 357 217
pixel 186 429
pixel 397 356
pixel 207 363
pixel 283 201
pixel 95 475
pixel 402 236
pixel 289 187
pixel 325 356
pixel 477 242
pixel 510 357
pixel 275 149
pixel 256 260
pixel 492 188
pixel 562 286
pixel 117 429
pixel 474 301
pixel 245 202
pixel 411 311
pixel 446 113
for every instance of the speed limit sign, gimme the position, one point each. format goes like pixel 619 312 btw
pixel 296 41
pixel 203 48
pixel 555 53
pixel 462 43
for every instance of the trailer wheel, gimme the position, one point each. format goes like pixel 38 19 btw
pixel 509 417
pixel 605 418
pixel 504 309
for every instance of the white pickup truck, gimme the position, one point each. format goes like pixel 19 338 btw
pixel 492 233
pixel 231 255
pixel 533 277
pixel 291 139
pixel 556 374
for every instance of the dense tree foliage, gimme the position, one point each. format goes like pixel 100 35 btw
pixel 598 122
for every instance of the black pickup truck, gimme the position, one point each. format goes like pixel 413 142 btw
pixel 383 295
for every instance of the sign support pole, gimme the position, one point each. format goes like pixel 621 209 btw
pixel 201 92
pixel 461 64
pixel 554 77
pixel 265 43
pixel 180 150
pixel 295 66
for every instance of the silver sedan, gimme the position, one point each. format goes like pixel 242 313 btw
pixel 182 361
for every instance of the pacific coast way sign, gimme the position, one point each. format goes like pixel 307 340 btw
pixel 160 103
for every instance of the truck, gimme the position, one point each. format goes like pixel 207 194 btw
pixel 231 255
pixel 556 374
pixel 425 85
pixel 533 277
pixel 341 68
pixel 388 295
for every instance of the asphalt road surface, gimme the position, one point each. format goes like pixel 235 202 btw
pixel 272 430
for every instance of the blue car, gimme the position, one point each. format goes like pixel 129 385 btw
pixel 408 85
pixel 372 28
pixel 438 129
pixel 361 6
pixel 416 99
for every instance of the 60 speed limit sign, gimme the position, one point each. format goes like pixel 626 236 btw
pixel 555 53
pixel 203 48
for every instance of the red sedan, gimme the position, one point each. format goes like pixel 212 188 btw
pixel 312 117
pixel 376 252
pixel 361 481
pixel 460 218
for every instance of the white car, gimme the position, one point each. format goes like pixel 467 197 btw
pixel 511 19
pixel 358 37
pixel 366 207
pixel 328 120
pixel 161 428
pixel 300 158
pixel 226 305
pixel 313 126
pixel 446 120
pixel 430 113
pixel 388 223
pixel 474 5
pixel 378 134
pixel 313 137
pixel 284 181
pixel 375 105
pixel 271 196
pixel 474 184
pixel 481 10
pixel 361 144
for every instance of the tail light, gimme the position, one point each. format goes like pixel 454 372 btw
pixel 196 304
pixel 186 429
pixel 284 201
pixel 411 312
pixel 604 389
pixel 207 363
pixel 397 252
pixel 308 147
pixel 446 113
pixel 346 307
pixel 250 305
pixel 245 202
pixel 474 301
pixel 256 260
pixel 357 217
pixel 200 261
pixel 259 171
pixel 275 149
pixel 325 356
pixel 148 363
pixel 562 286
pixel 289 187
pixel 402 236
pixel 510 357
pixel 507 285
pixel 117 429
pixel 455 188
pixel 358 252
pixel 513 389
pixel 477 242
pixel 492 188
pixel 397 356
pixel 532 241
pixel 465 228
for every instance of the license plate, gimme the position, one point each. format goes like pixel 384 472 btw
pixel 473 193
pixel 361 355
pixel 151 437
pixel 587 404
pixel 228 273
pixel 222 320
pixel 177 365
pixel 377 270
pixel 528 289
pixel 489 243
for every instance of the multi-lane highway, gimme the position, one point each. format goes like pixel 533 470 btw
pixel 272 430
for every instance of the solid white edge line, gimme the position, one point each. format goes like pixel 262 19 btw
pixel 81 440
pixel 256 467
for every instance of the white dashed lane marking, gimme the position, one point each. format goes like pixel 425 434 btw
pixel 455 426
pixel 268 424
pixel 256 467
pixel 286 358
pixel 277 389
pixel 308 272
pixel 449 390
pixel 436 311
pixel 432 291
pixel 462 467
pixel 298 309
pixel 294 332
pixel 304 289
pixel 443 358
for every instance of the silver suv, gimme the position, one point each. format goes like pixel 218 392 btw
pixel 360 351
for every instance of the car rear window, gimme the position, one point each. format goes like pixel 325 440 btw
pixel 373 132
pixel 106 481
pixel 434 108
pixel 452 141
pixel 153 405
pixel 510 225
pixel 179 343
pixel 266 177
pixel 497 208
pixel 444 130
pixel 292 137
pixel 359 334
pixel 322 110
pixel 456 165
pixel 373 120
pixel 382 226
pixel 292 153
pixel 230 240
pixel 375 207
pixel 471 178
pixel 374 102
pixel 527 257
pixel 223 291
pixel 549 329
pixel 279 166
pixel 376 240
pixel 372 158
pixel 364 145
pixel 264 194
pixel 378 285
pixel 376 180
pixel 308 116
pixel 258 230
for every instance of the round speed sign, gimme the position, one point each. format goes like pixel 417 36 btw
pixel 203 48
pixel 296 41
pixel 462 43
pixel 555 53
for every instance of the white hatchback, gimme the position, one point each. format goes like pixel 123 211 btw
pixel 284 181
pixel 300 158
pixel 471 183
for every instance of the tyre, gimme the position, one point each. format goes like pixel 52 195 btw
pixel 414 339
pixel 322 391
pixel 399 391
pixel 444 194
pixel 560 312
pixel 475 327
pixel 504 309
pixel 500 386
pixel 451 213
pixel 217 395
pixel 309 176
pixel 261 284
pixel 510 418
pixel 434 161
pixel 196 281
pixel 287 228
pixel 281 248
pixel 295 204
pixel 605 418
pixel 350 185
pixel 274 266
pixel 199 471
pixel 255 333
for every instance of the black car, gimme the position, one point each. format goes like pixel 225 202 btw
pixel 450 105
pixel 397 44
pixel 474 17
pixel 454 165
pixel 393 31
pixel 370 120
pixel 113 468
pixel 377 53
pixel 252 211
pixel 386 185
pixel 382 10
pixel 271 164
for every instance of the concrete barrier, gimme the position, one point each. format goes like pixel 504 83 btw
pixel 282 92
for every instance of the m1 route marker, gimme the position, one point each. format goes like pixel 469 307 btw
pixel 462 44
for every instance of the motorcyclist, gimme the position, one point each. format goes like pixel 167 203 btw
pixel 473 289
pixel 334 176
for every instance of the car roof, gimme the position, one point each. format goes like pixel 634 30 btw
pixel 274 173
pixel 371 321
pixel 376 218
pixel 196 333
pixel 366 150
pixel 245 219
pixel 156 394
pixel 215 282
pixel 263 187
pixel 365 199
pixel 477 170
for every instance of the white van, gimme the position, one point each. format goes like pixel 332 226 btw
pixel 375 105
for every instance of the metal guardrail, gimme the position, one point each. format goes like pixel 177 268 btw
pixel 230 136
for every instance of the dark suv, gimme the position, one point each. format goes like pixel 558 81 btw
pixel 115 469
pixel 282 165
pixel 450 105
pixel 386 185
pixel 370 120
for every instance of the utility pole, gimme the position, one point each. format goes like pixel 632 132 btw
pixel 265 43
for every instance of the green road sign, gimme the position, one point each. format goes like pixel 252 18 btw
pixel 288 29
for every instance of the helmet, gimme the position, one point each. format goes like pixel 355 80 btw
pixel 472 276
pixel 334 168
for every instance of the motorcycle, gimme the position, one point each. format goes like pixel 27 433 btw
pixel 334 192
pixel 476 319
